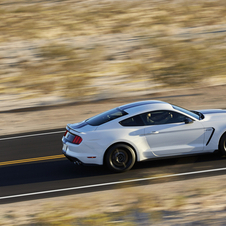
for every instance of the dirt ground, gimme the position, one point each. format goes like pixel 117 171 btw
pixel 44 118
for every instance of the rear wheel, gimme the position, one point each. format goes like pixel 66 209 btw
pixel 222 145
pixel 120 158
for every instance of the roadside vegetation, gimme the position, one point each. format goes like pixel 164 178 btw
pixel 77 49
pixel 199 201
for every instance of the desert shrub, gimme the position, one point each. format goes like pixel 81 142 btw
pixel 181 63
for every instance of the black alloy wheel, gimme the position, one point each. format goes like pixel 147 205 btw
pixel 222 145
pixel 120 158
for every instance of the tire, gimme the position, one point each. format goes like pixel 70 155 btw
pixel 120 158
pixel 222 145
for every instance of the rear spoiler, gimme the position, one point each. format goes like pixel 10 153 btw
pixel 70 129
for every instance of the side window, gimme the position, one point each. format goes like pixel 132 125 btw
pixel 162 117
pixel 132 121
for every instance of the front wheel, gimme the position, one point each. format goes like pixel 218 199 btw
pixel 120 158
pixel 222 145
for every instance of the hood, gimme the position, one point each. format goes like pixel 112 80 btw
pixel 81 127
pixel 214 114
pixel 213 111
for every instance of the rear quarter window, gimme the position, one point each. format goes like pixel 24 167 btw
pixel 132 121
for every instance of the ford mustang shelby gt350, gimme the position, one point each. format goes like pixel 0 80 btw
pixel 144 130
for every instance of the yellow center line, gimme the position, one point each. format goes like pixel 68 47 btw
pixel 31 160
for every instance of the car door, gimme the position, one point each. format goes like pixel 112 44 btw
pixel 171 133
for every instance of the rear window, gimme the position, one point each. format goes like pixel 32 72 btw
pixel 106 117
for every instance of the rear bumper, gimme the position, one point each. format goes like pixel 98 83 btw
pixel 72 159
pixel 81 154
pixel 76 161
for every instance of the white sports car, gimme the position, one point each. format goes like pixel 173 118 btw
pixel 144 130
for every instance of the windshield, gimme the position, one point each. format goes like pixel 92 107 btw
pixel 106 117
pixel 193 114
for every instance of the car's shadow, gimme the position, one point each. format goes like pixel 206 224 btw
pixel 183 160
pixel 63 170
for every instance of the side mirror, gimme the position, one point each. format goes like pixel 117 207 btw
pixel 188 121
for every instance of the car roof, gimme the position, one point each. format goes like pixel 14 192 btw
pixel 141 103
pixel 145 106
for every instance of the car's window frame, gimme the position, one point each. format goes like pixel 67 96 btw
pixel 166 111
pixel 145 124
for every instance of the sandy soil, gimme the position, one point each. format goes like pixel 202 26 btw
pixel 44 118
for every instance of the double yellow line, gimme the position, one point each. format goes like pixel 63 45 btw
pixel 13 162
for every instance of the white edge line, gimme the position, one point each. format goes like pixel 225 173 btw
pixel 110 183
pixel 31 135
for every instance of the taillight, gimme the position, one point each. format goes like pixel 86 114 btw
pixel 65 133
pixel 77 140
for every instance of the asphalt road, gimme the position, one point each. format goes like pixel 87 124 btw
pixel 31 163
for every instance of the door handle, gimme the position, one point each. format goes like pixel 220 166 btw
pixel 152 133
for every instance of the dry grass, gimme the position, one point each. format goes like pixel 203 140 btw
pixel 188 63
pixel 158 57
pixel 75 18
pixel 174 203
